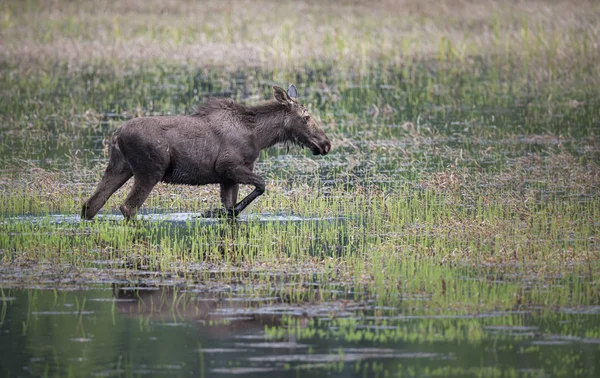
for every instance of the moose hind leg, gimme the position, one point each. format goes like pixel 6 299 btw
pixel 140 191
pixel 116 174
pixel 109 184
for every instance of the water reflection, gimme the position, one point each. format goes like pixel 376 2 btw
pixel 231 331
pixel 216 314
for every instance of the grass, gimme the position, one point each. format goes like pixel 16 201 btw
pixel 410 240
pixel 550 39
pixel 465 164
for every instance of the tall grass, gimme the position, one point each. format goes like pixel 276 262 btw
pixel 545 41
pixel 392 246
pixel 465 162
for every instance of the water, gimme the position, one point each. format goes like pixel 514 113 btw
pixel 171 218
pixel 118 330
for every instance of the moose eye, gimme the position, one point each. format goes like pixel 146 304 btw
pixel 306 118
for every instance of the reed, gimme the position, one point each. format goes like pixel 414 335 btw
pixel 464 174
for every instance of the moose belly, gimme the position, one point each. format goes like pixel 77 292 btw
pixel 190 173
pixel 189 177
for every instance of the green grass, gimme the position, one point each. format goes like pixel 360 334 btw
pixel 466 249
pixel 465 165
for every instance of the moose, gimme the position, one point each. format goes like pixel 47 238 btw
pixel 217 144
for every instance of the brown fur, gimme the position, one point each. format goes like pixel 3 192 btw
pixel 217 144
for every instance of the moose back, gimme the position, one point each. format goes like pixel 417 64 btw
pixel 217 144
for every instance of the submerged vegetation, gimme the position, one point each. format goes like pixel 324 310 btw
pixel 463 178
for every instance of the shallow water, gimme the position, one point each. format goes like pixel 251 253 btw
pixel 169 218
pixel 160 331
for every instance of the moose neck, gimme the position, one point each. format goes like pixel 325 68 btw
pixel 268 121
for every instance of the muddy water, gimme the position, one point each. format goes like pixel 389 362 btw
pixel 123 330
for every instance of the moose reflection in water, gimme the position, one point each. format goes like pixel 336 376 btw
pixel 217 144
pixel 218 315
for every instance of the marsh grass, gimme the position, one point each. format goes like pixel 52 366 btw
pixel 542 40
pixel 457 214
pixel 464 175
pixel 444 237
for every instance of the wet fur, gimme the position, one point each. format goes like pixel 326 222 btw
pixel 217 144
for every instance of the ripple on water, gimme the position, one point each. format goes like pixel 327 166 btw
pixel 341 357
pixel 244 370
pixel 59 313
pixel 273 345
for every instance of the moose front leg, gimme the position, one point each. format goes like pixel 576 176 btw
pixel 244 175
pixel 229 193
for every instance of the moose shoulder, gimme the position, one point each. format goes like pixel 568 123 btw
pixel 218 144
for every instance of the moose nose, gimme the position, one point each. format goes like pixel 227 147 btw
pixel 327 147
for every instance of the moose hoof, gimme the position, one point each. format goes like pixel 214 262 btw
pixel 232 213
pixel 85 213
pixel 220 213
pixel 127 213
pixel 215 213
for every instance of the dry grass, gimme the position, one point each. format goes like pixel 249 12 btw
pixel 281 34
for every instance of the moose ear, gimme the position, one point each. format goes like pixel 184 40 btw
pixel 292 92
pixel 281 96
